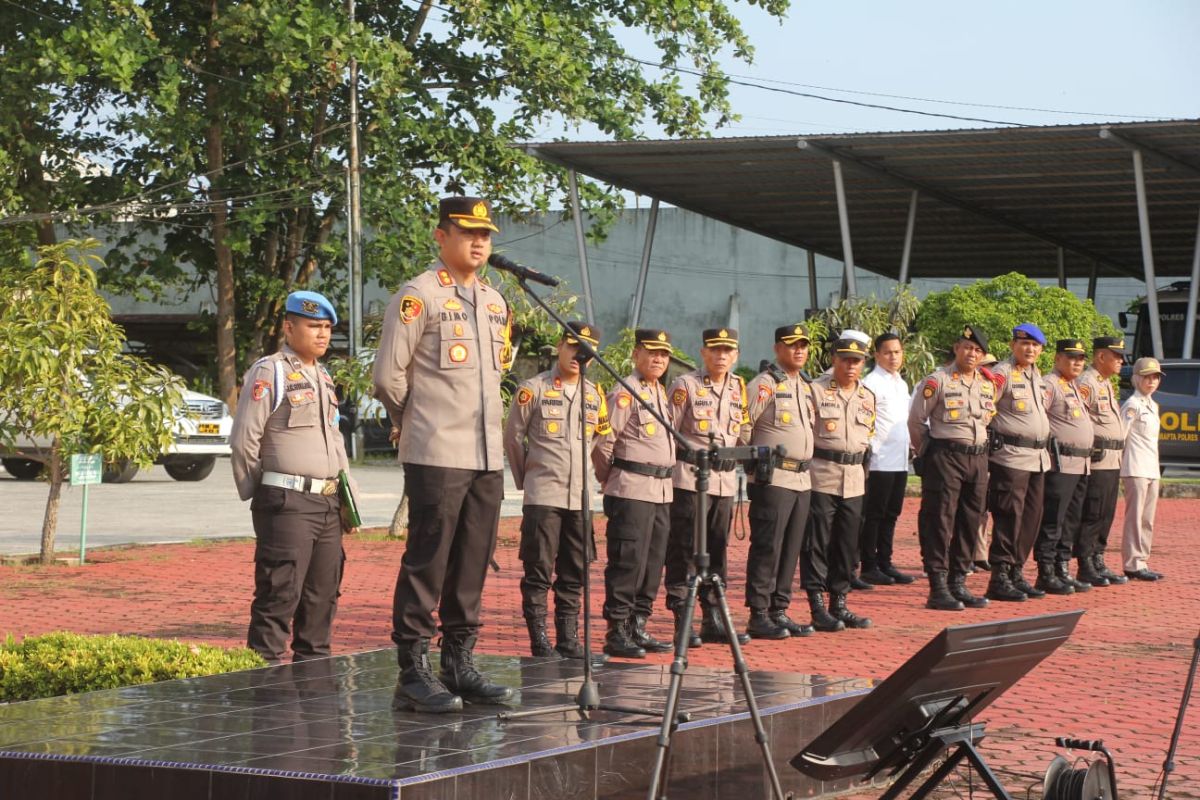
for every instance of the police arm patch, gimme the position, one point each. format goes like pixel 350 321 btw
pixel 624 399
pixel 260 389
pixel 679 396
pixel 524 396
pixel 410 308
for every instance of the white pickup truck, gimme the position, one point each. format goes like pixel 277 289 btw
pixel 200 436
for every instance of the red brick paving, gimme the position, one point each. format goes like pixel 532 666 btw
pixel 1119 678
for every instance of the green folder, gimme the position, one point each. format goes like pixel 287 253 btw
pixel 349 508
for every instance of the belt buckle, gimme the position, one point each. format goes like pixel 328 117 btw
pixel 329 489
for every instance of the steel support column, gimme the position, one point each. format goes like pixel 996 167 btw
pixel 844 222
pixel 1139 179
pixel 812 279
pixel 581 245
pixel 1092 278
pixel 1189 331
pixel 1062 269
pixel 639 294
pixel 908 235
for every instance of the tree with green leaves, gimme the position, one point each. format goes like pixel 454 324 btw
pixel 233 125
pixel 1000 304
pixel 65 385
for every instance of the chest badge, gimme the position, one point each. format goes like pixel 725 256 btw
pixel 831 426
pixel 650 429
pixel 458 353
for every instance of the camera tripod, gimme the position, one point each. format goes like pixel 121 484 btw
pixel 1169 764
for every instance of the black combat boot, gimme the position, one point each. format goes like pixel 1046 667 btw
pixel 539 642
pixel 1049 582
pixel 959 591
pixel 940 598
pixel 460 674
pixel 761 626
pixel 1063 570
pixel 781 619
pixel 693 638
pixel 1000 587
pixel 1017 576
pixel 617 642
pixel 637 632
pixel 712 628
pixel 416 688
pixel 1103 571
pixel 822 620
pixel 1087 573
pixel 566 635
pixel 837 607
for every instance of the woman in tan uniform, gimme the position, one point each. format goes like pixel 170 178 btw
pixel 1139 469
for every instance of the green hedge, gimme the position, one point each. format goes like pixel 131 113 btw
pixel 67 663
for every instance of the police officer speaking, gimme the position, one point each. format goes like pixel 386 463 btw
pixel 947 425
pixel 287 453
pixel 709 402
pixel 545 444
pixel 444 345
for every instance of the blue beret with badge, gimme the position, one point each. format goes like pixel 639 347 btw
pixel 1027 330
pixel 312 305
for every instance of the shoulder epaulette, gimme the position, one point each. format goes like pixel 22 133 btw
pixel 777 373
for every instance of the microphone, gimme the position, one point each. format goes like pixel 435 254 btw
pixel 523 273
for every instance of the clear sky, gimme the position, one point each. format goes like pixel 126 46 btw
pixel 1110 58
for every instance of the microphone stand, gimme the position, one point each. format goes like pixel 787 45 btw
pixel 1169 764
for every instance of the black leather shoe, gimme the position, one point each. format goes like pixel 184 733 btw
pixel 859 585
pixel 462 677
pixel 876 577
pixel 1142 574
pixel 761 626
pixel 694 639
pixel 644 640
pixel 781 619
pixel 416 688
pixel 896 575
pixel 959 591
pixel 617 642
pixel 837 607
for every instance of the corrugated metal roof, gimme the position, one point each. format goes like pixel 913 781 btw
pixel 992 199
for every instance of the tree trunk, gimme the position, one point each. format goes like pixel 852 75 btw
pixel 215 145
pixel 50 521
pixel 32 184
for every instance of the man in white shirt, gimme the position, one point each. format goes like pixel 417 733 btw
pixel 888 474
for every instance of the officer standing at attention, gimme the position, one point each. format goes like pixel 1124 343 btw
pixel 947 424
pixel 1017 465
pixel 1100 502
pixel 844 425
pixel 780 413
pixel 710 401
pixel 545 444
pixel 287 451
pixel 444 345
pixel 635 464
pixel 1071 438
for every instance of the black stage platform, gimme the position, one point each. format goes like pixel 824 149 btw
pixel 325 729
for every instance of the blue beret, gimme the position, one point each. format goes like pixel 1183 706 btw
pixel 312 305
pixel 1027 330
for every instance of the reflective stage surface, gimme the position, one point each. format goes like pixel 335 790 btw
pixel 325 729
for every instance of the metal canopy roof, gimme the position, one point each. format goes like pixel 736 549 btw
pixel 991 200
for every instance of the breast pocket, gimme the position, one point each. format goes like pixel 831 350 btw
pixel 554 428
pixel 786 413
pixel 955 410
pixel 1021 398
pixel 501 348
pixel 457 343
pixel 865 417
pixel 828 422
pixel 303 413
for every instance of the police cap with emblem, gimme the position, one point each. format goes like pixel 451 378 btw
pixel 653 339
pixel 973 333
pixel 1114 343
pixel 790 334
pixel 311 305
pixel 1029 331
pixel 1070 347
pixel 850 347
pixel 471 213
pixel 1147 366
pixel 720 337
pixel 582 330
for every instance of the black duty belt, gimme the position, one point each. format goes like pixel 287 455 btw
pixel 1100 443
pixel 643 469
pixel 791 465
pixel 839 456
pixel 1021 441
pixel 1080 452
pixel 957 447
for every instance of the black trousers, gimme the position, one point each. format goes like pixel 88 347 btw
pixel 881 508
pixel 453 516
pixel 831 543
pixel 680 544
pixel 1015 498
pixel 298 561
pixel 552 542
pixel 778 518
pixel 953 492
pixel 1099 508
pixel 636 541
pixel 1063 511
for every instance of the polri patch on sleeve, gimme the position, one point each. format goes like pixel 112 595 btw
pixel 679 396
pixel 623 400
pixel 410 308
pixel 260 389
pixel 524 396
